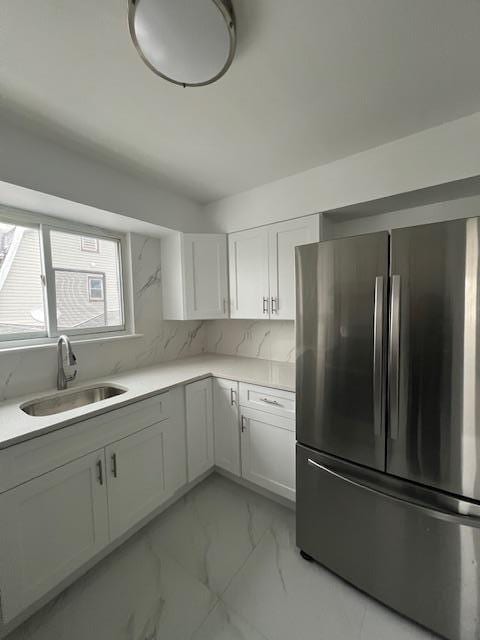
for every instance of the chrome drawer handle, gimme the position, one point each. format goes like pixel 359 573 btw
pixel 268 401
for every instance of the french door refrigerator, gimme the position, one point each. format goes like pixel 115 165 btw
pixel 388 422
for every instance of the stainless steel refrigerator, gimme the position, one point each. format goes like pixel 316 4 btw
pixel 388 418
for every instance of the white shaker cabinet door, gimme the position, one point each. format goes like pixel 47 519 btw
pixel 268 451
pixel 248 260
pixel 225 417
pixel 136 477
pixel 176 442
pixel 206 280
pixel 51 526
pixel 199 409
pixel 283 238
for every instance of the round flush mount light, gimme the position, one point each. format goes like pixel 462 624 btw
pixel 188 42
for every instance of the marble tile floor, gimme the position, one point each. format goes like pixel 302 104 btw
pixel 220 564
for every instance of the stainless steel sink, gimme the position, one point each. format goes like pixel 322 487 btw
pixel 66 400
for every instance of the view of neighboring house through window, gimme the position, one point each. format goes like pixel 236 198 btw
pixel 87 283
pixel 21 290
pixel 79 275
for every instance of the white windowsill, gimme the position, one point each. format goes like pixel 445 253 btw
pixel 50 343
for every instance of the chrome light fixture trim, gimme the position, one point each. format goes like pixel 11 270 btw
pixel 226 9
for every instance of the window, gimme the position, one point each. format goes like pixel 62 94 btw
pixel 51 283
pixel 95 288
pixel 89 244
pixel 22 310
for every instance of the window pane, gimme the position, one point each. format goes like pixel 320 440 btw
pixel 88 284
pixel 21 289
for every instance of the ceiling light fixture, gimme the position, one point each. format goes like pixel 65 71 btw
pixel 188 42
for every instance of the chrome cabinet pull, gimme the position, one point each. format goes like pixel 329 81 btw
pixel 268 401
pixel 100 472
pixel 232 397
pixel 394 356
pixel 265 305
pixel 274 305
pixel 243 424
pixel 378 331
pixel 114 465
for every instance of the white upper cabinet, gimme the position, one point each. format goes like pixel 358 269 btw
pixel 194 276
pixel 248 261
pixel 283 238
pixel 262 268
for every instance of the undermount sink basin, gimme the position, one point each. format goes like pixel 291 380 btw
pixel 65 400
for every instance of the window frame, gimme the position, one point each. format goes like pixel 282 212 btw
pixel 44 226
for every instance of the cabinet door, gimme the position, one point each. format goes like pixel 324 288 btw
pixel 176 442
pixel 268 451
pixel 50 527
pixel 199 409
pixel 136 477
pixel 225 418
pixel 248 259
pixel 283 238
pixel 206 281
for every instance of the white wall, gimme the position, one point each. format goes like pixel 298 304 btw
pixel 432 157
pixel 438 212
pixel 33 370
pixel 31 160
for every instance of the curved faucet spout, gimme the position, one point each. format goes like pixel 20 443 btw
pixel 69 360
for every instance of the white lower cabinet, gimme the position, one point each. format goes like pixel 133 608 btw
pixel 65 496
pixel 226 425
pixel 199 410
pixel 51 526
pixel 268 451
pixel 136 477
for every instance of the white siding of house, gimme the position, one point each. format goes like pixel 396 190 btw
pixel 67 253
pixel 22 290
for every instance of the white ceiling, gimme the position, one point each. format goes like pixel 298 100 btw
pixel 313 81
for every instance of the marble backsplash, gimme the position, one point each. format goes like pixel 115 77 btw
pixel 33 370
pixel 272 340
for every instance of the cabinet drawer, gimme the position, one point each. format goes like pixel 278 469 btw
pixel 31 459
pixel 281 403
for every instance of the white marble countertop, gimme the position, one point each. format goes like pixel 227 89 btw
pixel 16 426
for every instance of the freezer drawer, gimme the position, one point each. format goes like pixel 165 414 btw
pixel 416 555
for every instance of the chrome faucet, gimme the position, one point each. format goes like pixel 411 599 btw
pixel 71 361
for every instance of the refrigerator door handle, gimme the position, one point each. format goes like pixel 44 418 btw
pixel 378 331
pixel 394 356
pixel 445 508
